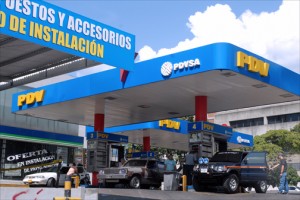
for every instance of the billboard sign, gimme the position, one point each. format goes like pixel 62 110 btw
pixel 57 28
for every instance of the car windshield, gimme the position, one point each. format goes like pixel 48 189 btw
pixel 230 156
pixel 51 169
pixel 135 163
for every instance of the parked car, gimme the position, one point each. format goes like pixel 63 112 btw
pixel 294 189
pixel 49 177
pixel 232 169
pixel 134 173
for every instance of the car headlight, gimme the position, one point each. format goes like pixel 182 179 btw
pixel 220 168
pixel 205 160
pixel 101 172
pixel 123 171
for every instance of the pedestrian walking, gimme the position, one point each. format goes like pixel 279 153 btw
pixel 283 183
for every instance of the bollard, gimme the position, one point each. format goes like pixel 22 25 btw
pixel 67 188
pixel 184 182
pixel 76 180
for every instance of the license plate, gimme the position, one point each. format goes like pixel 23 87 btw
pixel 29 181
pixel 203 170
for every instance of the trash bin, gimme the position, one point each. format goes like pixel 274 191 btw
pixel 171 181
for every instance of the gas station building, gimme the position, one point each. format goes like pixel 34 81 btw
pixel 142 102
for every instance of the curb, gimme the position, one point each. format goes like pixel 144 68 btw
pixel 14 185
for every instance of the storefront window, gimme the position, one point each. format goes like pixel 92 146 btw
pixel 28 157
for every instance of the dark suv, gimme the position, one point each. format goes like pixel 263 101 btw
pixel 232 169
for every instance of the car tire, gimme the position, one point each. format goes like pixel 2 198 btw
pixel 50 182
pixel 261 187
pixel 231 184
pixel 197 186
pixel 135 182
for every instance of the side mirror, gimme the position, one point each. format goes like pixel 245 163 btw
pixel 245 161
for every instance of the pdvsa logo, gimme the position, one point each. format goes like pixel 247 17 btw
pixel 167 68
pixel 242 140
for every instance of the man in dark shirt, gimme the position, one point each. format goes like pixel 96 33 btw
pixel 190 160
pixel 283 184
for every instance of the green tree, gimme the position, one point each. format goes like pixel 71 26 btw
pixel 289 141
pixel 296 128
pixel 292 176
pixel 260 144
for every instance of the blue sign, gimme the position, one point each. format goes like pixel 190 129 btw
pixel 54 27
pixel 209 127
pixel 107 137
pixel 142 155
pixel 241 139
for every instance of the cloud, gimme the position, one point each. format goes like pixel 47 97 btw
pixel 273 35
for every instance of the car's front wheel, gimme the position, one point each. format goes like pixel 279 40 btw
pixel 50 182
pixel 135 182
pixel 231 184
pixel 261 187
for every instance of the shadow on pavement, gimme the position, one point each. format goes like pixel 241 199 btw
pixel 117 197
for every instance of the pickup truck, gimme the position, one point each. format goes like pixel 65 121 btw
pixel 134 173
pixel 231 170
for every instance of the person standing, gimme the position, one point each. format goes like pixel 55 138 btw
pixel 283 183
pixel 170 164
pixel 190 160
pixel 72 170
pixel 60 161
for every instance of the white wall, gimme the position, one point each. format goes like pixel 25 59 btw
pixel 260 111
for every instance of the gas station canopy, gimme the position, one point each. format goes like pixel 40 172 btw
pixel 40 40
pixel 148 95
pixel 165 87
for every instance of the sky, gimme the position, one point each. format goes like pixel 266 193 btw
pixel 269 28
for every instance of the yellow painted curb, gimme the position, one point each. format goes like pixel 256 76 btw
pixel 14 185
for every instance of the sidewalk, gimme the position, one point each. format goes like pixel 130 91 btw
pixel 12 183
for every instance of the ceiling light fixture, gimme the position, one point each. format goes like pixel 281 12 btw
pixel 286 95
pixel 144 106
pixel 260 85
pixel 228 74
pixel 110 98
pixel 173 113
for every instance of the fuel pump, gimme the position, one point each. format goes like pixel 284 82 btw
pixel 207 138
pixel 104 150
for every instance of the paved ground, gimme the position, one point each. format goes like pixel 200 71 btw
pixel 129 194
pixel 133 194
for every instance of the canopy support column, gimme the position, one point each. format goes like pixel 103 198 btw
pixel 200 108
